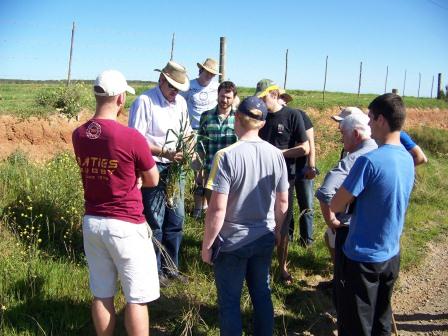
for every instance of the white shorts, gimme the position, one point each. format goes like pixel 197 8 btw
pixel 114 247
pixel 331 237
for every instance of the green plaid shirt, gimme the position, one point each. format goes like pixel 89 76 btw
pixel 215 133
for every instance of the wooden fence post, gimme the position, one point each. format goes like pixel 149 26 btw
pixel 432 85
pixel 172 46
pixel 404 82
pixel 222 59
pixel 385 83
pixel 360 76
pixel 419 81
pixel 286 69
pixel 325 78
pixel 71 53
pixel 439 86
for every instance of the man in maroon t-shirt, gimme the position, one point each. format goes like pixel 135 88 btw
pixel 117 238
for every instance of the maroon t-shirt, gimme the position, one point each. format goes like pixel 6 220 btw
pixel 110 156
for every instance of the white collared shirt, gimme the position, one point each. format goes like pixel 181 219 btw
pixel 153 116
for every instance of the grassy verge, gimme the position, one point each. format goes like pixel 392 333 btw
pixel 43 276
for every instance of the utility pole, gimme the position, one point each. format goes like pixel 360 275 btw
pixel 71 53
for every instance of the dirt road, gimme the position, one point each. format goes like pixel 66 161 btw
pixel 421 299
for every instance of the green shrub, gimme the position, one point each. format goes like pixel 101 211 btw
pixel 68 100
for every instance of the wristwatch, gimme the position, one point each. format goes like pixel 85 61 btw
pixel 314 169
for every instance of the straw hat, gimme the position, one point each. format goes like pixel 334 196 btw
pixel 210 65
pixel 176 75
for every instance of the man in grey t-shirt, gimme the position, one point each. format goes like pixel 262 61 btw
pixel 249 183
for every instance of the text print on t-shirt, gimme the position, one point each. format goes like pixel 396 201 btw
pixel 93 167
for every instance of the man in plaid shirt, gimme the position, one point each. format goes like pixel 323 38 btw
pixel 216 131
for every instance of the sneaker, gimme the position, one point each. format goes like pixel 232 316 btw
pixel 164 281
pixel 305 243
pixel 178 277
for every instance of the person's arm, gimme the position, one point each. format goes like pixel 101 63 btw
pixel 150 178
pixel 299 150
pixel 341 200
pixel 214 220
pixel 310 171
pixel 280 208
pixel 329 216
pixel 302 147
pixel 418 155
pixel 167 153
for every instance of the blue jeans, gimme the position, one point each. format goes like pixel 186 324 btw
pixel 166 222
pixel 251 262
pixel 304 194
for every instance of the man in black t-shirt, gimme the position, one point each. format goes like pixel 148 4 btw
pixel 305 173
pixel 285 130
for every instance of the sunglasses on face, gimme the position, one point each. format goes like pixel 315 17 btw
pixel 171 87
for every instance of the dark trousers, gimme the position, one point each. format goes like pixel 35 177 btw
pixel 341 235
pixel 366 289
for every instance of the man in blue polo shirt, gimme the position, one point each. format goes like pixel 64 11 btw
pixel 377 190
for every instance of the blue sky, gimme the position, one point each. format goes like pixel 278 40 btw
pixel 135 38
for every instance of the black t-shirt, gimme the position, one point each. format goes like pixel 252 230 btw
pixel 301 161
pixel 284 129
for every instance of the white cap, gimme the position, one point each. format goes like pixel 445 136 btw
pixel 113 83
pixel 346 112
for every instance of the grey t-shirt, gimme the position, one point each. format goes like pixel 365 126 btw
pixel 334 178
pixel 250 173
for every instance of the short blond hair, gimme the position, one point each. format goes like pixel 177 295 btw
pixel 248 122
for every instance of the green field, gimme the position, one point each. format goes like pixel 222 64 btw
pixel 20 98
pixel 43 276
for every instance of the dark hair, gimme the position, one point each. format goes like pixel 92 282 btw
pixel 392 108
pixel 228 86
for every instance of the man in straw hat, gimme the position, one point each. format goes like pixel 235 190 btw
pixel 157 114
pixel 116 236
pixel 203 93
pixel 202 96
pixel 285 130
pixel 249 184
pixel 377 188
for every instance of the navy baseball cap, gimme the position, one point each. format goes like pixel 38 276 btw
pixel 249 104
